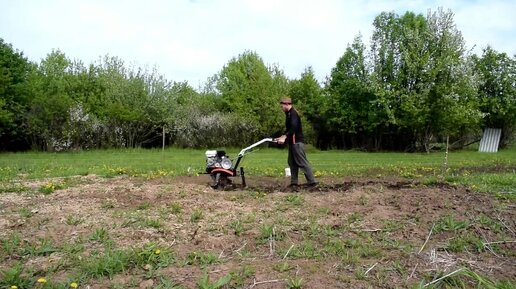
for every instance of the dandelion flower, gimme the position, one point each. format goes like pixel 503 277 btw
pixel 14 287
pixel 42 280
pixel 157 251
pixel 74 285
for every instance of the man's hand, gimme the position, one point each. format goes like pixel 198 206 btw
pixel 281 139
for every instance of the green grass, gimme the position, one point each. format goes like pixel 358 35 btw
pixel 466 278
pixel 107 263
pixel 263 162
pixel 493 172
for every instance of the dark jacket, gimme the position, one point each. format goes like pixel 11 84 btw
pixel 294 131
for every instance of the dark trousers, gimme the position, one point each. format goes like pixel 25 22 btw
pixel 297 160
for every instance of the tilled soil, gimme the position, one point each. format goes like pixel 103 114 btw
pixel 344 233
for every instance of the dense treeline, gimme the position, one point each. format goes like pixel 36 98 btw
pixel 414 86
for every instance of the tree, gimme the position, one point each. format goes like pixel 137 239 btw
pixel 14 97
pixel 306 93
pixel 130 112
pixel 48 119
pixel 354 110
pixel 86 92
pixel 497 91
pixel 450 91
pixel 423 76
pixel 250 89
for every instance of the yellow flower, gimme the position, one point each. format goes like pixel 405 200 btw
pixel 74 285
pixel 14 287
pixel 42 280
pixel 157 251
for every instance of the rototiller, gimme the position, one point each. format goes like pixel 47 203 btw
pixel 221 168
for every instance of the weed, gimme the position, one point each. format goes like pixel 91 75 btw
pixel 464 278
pixel 380 277
pixel 182 194
pixel 157 174
pixel 153 255
pixel 153 223
pixel 50 187
pixel 11 244
pixel 457 244
pixel 42 222
pixel 107 264
pixel 491 224
pixel 269 232
pixel 399 267
pixel 205 283
pixel 324 211
pixel 361 248
pixel 395 244
pixel 25 213
pixel 48 284
pixel 100 235
pixel 392 225
pixel 335 247
pixel 15 276
pixel 130 219
pixel 306 249
pixel 44 248
pixel 107 204
pixel 294 282
pixel 201 258
pixel 237 227
pixel 488 283
pixel 13 188
pixel 351 243
pixel 349 258
pixel 131 283
pixel 238 277
pixel 73 220
pixel 314 230
pixel 364 200
pixel 354 217
pixel 72 248
pixel 282 267
pixel 144 206
pixel 116 171
pixel 249 218
pixel 164 283
pixel 258 195
pixel 449 223
pixel 463 242
pixel 360 273
pixel 175 208
pixel 368 250
pixel 196 216
pixel 266 232
pixel 330 231
pixel 295 199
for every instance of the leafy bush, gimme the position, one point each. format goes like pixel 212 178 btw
pixel 195 130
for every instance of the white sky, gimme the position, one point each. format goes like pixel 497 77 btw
pixel 193 40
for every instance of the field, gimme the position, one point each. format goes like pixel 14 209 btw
pixel 148 219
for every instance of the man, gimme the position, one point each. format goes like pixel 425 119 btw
pixel 296 148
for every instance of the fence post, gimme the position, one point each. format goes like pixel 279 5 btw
pixel 163 147
pixel 445 161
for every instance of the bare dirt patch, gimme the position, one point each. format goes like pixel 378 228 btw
pixel 345 233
